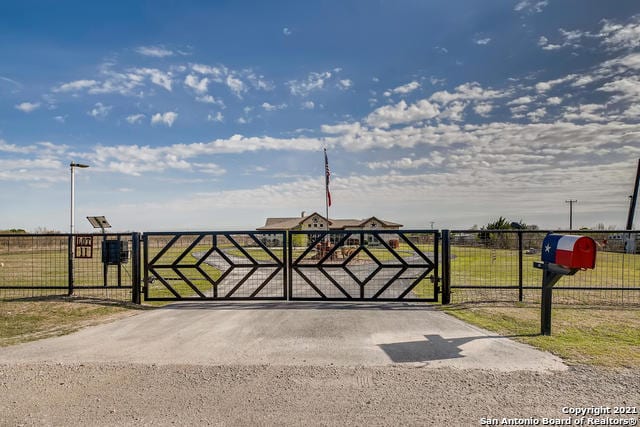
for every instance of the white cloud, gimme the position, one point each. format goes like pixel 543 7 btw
pixel 585 112
pixel 13 148
pixel 551 46
pixel 135 118
pixel 521 100
pixel 530 6
pixel 209 99
pixel 217 73
pixel 164 118
pixel 308 105
pixel 155 51
pixel 218 117
pixel 259 81
pixel 453 111
pixel 483 41
pixel 157 77
pixel 198 85
pixel 435 159
pixel 286 31
pixel 549 84
pixel 483 109
pixel 236 85
pixel 617 36
pixel 554 100
pixel 270 107
pixel 27 107
pixel 388 115
pixel 519 109
pixel 404 89
pixel 467 91
pixel 210 168
pixel 626 89
pixel 315 81
pixel 537 115
pixel 75 86
pixel 60 119
pixel 99 111
pixel 345 84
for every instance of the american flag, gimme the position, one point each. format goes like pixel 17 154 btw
pixel 327 174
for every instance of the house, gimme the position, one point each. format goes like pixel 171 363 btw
pixel 317 222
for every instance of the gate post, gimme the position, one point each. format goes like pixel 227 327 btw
pixel 446 265
pixel 135 265
pixel 520 290
pixel 70 254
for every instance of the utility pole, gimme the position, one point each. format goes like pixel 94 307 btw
pixel 633 199
pixel 432 223
pixel 571 202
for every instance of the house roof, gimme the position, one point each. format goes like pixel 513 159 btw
pixel 335 224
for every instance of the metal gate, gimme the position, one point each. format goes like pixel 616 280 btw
pixel 363 265
pixel 214 265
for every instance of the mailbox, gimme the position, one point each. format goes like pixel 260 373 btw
pixel 561 256
pixel 574 252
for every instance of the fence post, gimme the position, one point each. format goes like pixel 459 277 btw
pixel 446 265
pixel 70 254
pixel 135 266
pixel 288 243
pixel 520 266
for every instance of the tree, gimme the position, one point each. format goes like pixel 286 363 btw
pixel 500 240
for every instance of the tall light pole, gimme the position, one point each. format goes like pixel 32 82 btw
pixel 571 202
pixel 73 165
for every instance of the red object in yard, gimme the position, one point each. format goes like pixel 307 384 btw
pixel 569 251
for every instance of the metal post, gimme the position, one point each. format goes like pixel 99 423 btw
pixel 547 300
pixel 145 252
pixel 119 265
pixel 73 191
pixel 551 273
pixel 135 266
pixel 287 251
pixel 446 265
pixel 105 265
pixel 571 202
pixel 70 254
pixel 520 266
pixel 634 200
pixel 436 281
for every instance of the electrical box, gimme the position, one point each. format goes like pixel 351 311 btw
pixel 115 252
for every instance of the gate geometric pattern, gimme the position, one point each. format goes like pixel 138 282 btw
pixel 363 265
pixel 214 265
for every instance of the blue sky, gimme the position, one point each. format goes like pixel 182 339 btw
pixel 213 115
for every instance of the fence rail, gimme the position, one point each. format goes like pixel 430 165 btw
pixel 34 265
pixel 497 265
pixel 464 266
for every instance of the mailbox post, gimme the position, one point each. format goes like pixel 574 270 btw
pixel 562 255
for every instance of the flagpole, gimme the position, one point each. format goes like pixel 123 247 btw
pixel 326 192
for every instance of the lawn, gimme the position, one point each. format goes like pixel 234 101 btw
pixel 29 319
pixel 600 336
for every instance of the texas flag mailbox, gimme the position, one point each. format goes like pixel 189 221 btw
pixel 575 252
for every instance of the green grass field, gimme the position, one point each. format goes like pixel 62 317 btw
pixel 589 335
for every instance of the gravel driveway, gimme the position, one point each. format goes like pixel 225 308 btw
pixel 145 395
pixel 294 364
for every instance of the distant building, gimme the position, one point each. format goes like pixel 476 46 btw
pixel 317 222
